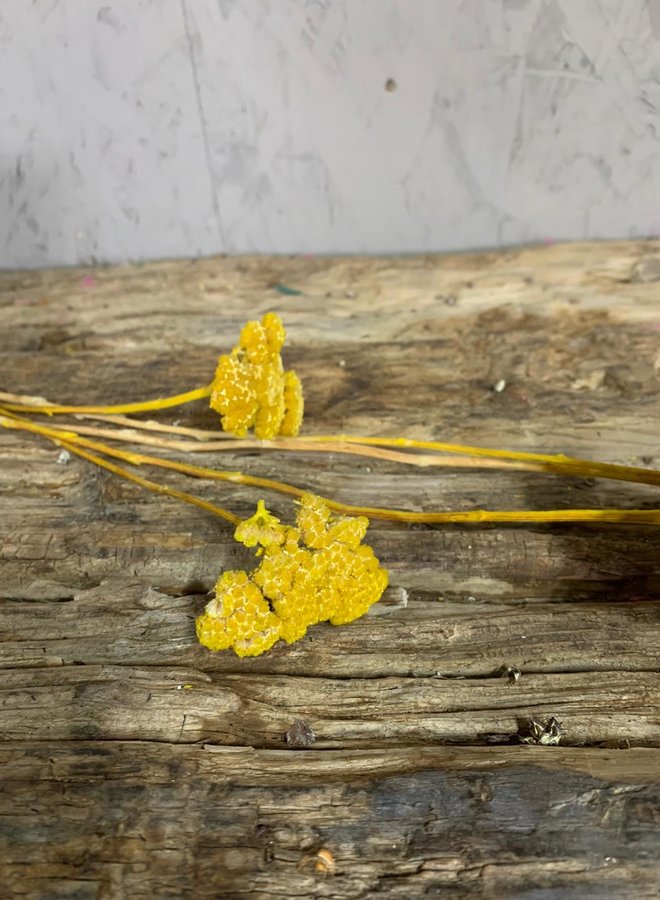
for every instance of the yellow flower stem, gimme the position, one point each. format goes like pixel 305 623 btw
pixel 36 405
pixel 556 463
pixel 196 434
pixel 154 486
pixel 132 436
pixel 137 459
pixel 71 439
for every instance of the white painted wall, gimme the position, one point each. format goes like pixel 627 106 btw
pixel 134 129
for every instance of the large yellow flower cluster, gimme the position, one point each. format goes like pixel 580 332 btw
pixel 315 572
pixel 251 388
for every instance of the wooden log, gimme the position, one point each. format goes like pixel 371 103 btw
pixel 135 763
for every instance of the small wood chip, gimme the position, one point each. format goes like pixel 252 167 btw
pixel 300 734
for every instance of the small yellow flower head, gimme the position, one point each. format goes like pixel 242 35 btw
pixel 251 388
pixel 316 572
pixel 238 617
pixel 263 528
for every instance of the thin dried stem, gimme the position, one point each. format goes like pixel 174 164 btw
pixel 13 421
pixel 132 436
pixel 554 463
pixel 156 487
pixel 197 434
pixel 26 404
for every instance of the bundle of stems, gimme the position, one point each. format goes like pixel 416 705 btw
pixel 97 452
pixel 201 441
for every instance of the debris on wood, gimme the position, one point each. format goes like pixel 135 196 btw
pixel 547 735
pixel 300 734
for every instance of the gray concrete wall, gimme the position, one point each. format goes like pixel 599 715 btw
pixel 133 129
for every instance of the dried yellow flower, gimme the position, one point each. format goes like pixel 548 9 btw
pixel 251 389
pixel 315 572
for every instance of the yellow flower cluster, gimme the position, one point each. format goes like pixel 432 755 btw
pixel 251 388
pixel 315 572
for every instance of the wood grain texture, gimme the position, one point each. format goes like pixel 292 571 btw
pixel 107 701
pixel 429 637
pixel 142 820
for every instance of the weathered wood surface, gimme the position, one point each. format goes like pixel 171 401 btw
pixel 429 637
pixel 143 820
pixel 135 763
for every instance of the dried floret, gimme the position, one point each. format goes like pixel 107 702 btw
pixel 293 405
pixel 238 616
pixel 318 571
pixel 251 388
